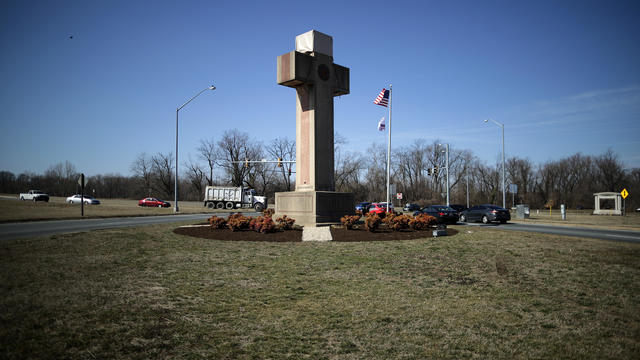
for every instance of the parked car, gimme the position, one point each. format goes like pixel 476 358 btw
pixel 363 207
pixel 458 208
pixel 443 214
pixel 153 202
pixel 379 208
pixel 76 199
pixel 411 207
pixel 485 213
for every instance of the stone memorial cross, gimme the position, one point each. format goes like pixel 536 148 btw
pixel 311 71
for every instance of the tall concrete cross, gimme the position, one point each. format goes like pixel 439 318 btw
pixel 311 71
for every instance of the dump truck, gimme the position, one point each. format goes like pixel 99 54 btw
pixel 233 197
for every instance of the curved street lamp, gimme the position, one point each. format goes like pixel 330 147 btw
pixel 504 197
pixel 175 208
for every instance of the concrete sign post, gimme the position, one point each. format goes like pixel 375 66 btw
pixel 311 72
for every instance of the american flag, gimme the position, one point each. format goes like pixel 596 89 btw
pixel 383 98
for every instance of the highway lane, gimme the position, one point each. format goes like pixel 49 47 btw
pixel 40 228
pixel 43 228
pixel 594 233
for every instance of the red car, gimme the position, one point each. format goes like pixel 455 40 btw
pixel 378 208
pixel 153 202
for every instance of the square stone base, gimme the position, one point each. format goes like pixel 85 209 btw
pixel 314 208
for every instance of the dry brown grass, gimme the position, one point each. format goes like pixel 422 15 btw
pixel 149 293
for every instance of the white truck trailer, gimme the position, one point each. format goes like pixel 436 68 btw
pixel 225 197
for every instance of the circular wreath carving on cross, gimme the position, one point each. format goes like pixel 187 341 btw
pixel 323 72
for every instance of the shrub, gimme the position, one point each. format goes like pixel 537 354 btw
pixel 217 222
pixel 372 222
pixel 349 220
pixel 237 222
pixel 397 222
pixel 388 219
pixel 262 224
pixel 268 212
pixel 285 223
pixel 422 222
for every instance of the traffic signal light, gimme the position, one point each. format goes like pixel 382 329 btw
pixel 435 170
pixel 429 170
pixel 279 162
pixel 246 163
pixel 289 171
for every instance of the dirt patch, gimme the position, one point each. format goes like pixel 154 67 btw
pixel 338 234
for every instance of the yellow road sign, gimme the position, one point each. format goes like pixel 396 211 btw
pixel 624 193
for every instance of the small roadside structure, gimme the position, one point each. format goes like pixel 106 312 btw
pixel 607 203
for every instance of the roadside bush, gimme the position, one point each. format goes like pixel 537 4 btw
pixel 397 222
pixel 268 212
pixel 350 220
pixel 422 222
pixel 262 224
pixel 217 222
pixel 237 222
pixel 372 222
pixel 285 223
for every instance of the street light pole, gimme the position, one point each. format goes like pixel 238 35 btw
pixel 504 197
pixel 447 166
pixel 175 207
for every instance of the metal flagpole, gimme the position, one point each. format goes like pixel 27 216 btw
pixel 389 150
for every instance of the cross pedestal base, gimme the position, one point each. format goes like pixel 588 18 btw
pixel 314 208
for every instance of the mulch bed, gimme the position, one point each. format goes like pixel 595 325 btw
pixel 338 234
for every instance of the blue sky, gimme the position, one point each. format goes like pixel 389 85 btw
pixel 563 76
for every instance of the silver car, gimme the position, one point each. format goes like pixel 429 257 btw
pixel 88 200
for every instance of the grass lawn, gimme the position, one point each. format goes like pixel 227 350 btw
pixel 149 293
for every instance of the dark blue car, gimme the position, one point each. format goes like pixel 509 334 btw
pixel 486 213
pixel 442 213
pixel 363 207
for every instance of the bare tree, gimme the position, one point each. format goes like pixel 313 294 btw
pixel 285 149
pixel 141 168
pixel 207 152
pixel 375 172
pixel 196 177
pixel 234 147
pixel 609 174
pixel 487 179
pixel 521 172
pixel 162 169
pixel 348 168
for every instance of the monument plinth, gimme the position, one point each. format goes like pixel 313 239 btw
pixel 311 71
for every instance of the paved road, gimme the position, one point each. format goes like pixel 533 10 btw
pixel 38 228
pixel 603 234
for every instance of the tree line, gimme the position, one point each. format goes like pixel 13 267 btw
pixel 570 181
